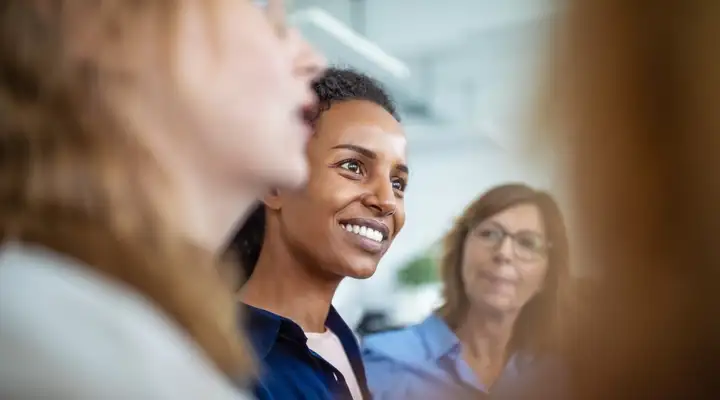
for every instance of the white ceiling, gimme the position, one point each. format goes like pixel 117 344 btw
pixel 472 63
pixel 411 27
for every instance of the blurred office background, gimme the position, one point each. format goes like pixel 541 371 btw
pixel 464 73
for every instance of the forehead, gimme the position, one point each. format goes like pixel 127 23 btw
pixel 362 123
pixel 520 217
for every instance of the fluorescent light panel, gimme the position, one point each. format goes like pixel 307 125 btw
pixel 353 40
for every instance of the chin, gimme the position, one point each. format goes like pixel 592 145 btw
pixel 361 274
pixel 359 271
pixel 500 304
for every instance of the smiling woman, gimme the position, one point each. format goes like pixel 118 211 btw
pixel 357 104
pixel 302 243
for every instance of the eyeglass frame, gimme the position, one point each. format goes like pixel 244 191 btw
pixel 547 245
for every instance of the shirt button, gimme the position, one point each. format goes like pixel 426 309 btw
pixel 335 376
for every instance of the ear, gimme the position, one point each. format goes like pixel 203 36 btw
pixel 273 200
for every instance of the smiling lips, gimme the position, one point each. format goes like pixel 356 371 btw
pixel 364 231
pixel 368 234
pixel 499 283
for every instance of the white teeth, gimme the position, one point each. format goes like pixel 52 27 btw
pixel 364 231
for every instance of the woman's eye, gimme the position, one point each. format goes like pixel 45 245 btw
pixel 530 242
pixel 352 166
pixel 489 233
pixel 399 184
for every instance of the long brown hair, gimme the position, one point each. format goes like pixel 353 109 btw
pixel 634 92
pixel 73 180
pixel 534 331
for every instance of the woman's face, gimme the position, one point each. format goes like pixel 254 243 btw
pixel 353 207
pixel 243 85
pixel 505 259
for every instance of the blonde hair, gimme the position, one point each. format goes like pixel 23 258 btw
pixel 73 180
pixel 534 331
pixel 634 92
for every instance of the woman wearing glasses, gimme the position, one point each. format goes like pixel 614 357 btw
pixel 502 267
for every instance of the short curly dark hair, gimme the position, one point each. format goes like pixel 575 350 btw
pixel 335 85
pixel 339 84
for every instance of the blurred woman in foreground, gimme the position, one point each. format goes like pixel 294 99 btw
pixel 133 137
pixel 635 97
pixel 505 261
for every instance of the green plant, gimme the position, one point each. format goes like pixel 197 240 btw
pixel 419 271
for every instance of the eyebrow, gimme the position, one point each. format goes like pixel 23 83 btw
pixel 369 154
pixel 506 229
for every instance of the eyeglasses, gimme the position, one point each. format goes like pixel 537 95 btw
pixel 527 245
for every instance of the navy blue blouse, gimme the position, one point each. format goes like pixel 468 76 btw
pixel 289 369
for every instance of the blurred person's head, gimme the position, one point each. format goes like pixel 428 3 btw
pixel 507 255
pixel 352 208
pixel 130 132
pixel 634 94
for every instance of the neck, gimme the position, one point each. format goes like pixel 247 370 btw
pixel 486 336
pixel 283 285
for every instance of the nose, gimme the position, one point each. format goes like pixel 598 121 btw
pixel 504 252
pixel 308 63
pixel 381 199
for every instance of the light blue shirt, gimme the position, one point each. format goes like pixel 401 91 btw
pixel 424 361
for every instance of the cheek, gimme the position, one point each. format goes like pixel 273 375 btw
pixel 475 286
pixel 399 218
pixel 224 103
pixel 475 256
pixel 235 65
pixel 310 210
pixel 300 224
pixel 328 188
pixel 468 277
pixel 474 260
pixel 534 277
pixel 260 92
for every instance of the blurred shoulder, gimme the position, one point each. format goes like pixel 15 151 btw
pixel 77 334
pixel 396 344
